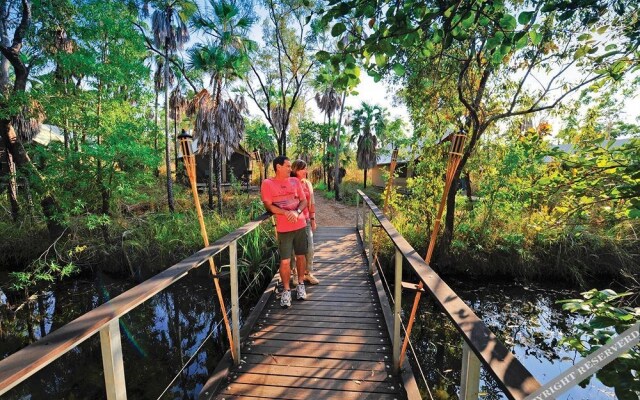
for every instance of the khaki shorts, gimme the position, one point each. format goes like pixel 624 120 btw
pixel 294 241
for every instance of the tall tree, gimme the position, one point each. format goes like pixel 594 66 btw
pixel 281 67
pixel 368 121
pixel 502 59
pixel 170 33
pixel 12 100
pixel 225 58
pixel 329 101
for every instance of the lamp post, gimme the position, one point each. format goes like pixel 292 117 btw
pixel 189 159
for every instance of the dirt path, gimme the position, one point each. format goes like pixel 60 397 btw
pixel 332 213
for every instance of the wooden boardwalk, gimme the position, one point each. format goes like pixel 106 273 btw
pixel 334 345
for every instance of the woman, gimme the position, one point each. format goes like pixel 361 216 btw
pixel 299 170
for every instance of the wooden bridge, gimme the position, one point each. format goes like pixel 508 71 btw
pixel 343 342
pixel 334 345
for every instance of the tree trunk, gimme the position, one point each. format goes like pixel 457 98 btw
pixel 175 141
pixel 365 178
pixel 210 178
pixel 219 178
pixel 155 135
pixel 167 156
pixel 12 190
pixel 336 176
pixel 447 235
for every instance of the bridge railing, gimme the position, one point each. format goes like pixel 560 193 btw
pixel 481 346
pixel 105 319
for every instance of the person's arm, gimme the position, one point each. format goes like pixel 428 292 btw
pixel 303 203
pixel 291 215
pixel 312 206
pixel 272 208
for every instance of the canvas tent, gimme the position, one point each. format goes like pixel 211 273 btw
pixel 48 134
pixel 237 166
pixel 403 168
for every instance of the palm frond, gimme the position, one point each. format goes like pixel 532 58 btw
pixel 28 121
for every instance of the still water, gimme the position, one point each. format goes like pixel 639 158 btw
pixel 161 336
pixel 525 317
pixel 158 339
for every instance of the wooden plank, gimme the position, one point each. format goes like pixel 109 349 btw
pixel 329 363
pixel 315 372
pixel 304 330
pixel 293 317
pixel 321 338
pixel 314 383
pixel 321 315
pixel 334 354
pixel 293 393
pixel 312 309
pixel 320 324
pixel 317 347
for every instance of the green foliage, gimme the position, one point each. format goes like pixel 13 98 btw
pixel 44 271
pixel 607 317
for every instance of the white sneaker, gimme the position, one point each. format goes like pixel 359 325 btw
pixel 301 293
pixel 285 300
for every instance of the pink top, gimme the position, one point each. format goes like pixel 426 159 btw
pixel 287 195
pixel 307 188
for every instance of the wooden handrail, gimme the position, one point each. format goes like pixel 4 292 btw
pixel 26 362
pixel 513 378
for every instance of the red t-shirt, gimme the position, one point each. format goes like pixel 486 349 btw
pixel 287 195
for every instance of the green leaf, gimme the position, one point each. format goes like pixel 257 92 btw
pixel 484 21
pixel 381 60
pixel 525 17
pixel 536 38
pixel 338 29
pixel 584 36
pixel 322 56
pixel 522 42
pixel 399 69
pixel 508 22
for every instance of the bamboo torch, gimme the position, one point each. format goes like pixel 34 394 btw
pixel 392 170
pixel 189 160
pixel 455 155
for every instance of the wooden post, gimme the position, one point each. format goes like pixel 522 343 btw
pixel 371 266
pixel 357 212
pixel 470 375
pixel 112 362
pixel 397 298
pixel 235 301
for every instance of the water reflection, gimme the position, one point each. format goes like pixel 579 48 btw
pixel 524 317
pixel 158 338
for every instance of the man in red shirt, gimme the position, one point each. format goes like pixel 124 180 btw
pixel 284 197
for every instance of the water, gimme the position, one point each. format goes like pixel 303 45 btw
pixel 158 338
pixel 161 335
pixel 525 318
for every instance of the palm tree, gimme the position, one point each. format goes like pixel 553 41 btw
pixel 159 84
pixel 178 104
pixel 328 102
pixel 366 123
pixel 170 33
pixel 225 58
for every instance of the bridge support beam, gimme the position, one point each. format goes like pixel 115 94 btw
pixel 470 376
pixel 112 361
pixel 370 242
pixel 235 300
pixel 397 309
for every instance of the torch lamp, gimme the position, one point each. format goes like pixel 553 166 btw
pixel 189 159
